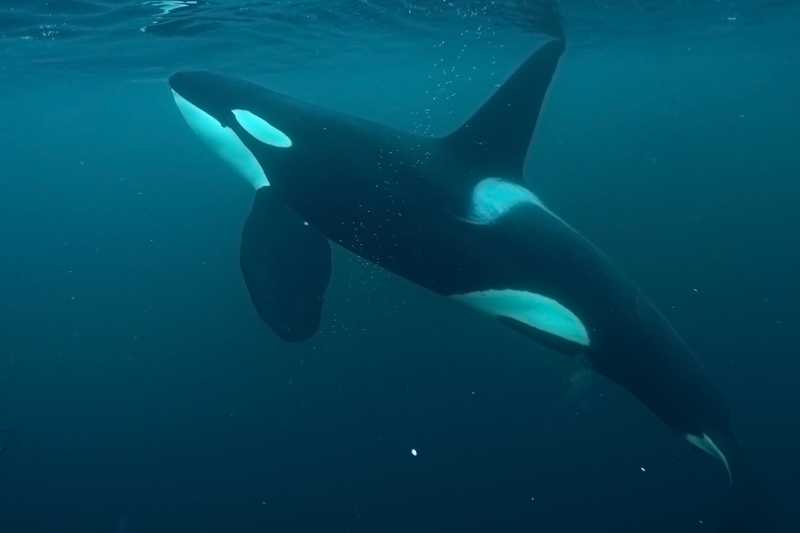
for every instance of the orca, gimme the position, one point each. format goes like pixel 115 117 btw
pixel 452 214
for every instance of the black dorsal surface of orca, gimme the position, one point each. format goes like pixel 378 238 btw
pixel 452 214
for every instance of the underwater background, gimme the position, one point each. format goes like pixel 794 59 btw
pixel 143 393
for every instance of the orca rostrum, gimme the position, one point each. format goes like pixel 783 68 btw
pixel 452 214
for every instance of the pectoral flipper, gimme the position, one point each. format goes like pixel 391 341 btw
pixel 286 263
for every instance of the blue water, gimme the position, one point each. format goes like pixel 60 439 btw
pixel 148 396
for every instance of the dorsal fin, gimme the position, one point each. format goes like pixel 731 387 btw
pixel 495 139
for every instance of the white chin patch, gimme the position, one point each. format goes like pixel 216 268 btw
pixel 223 142
pixel 707 445
pixel 494 197
pixel 261 129
pixel 535 310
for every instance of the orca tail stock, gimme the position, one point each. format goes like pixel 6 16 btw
pixel 749 509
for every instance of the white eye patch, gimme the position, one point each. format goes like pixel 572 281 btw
pixel 261 129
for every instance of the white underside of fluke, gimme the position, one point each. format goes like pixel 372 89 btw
pixel 707 445
pixel 222 141
pixel 533 309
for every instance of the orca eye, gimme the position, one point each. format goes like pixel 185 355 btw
pixel 261 129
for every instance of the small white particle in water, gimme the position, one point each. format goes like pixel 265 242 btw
pixel 413 452
pixel 643 469
pixel 305 223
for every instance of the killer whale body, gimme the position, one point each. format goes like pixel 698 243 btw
pixel 452 214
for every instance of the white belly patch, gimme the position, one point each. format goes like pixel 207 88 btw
pixel 535 310
pixel 707 445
